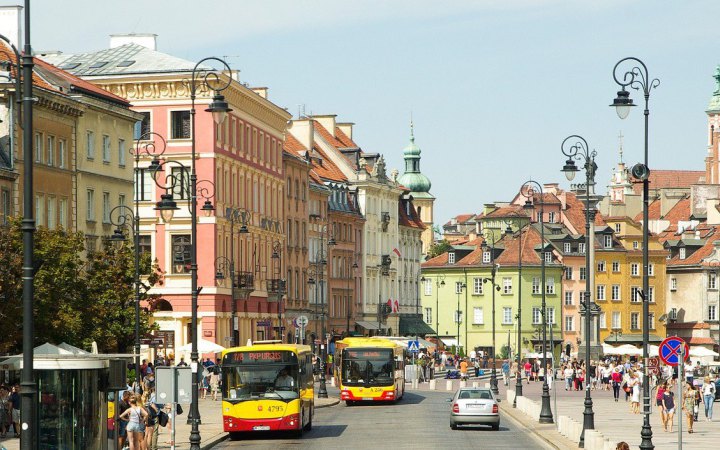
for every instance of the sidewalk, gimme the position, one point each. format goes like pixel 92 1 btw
pixel 211 428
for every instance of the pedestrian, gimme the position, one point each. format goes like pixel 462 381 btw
pixel 506 372
pixel 15 411
pixel 463 369
pixel 669 409
pixel 151 425
pixel 5 411
pixel 135 416
pixel 568 374
pixel 689 372
pixel 528 370
pixel 634 385
pixel 123 405
pixel 182 362
pixel 214 383
pixel 658 400
pixel 708 394
pixel 622 445
pixel 616 382
pixel 689 405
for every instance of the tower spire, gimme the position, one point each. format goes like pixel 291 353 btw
pixel 412 128
pixel 620 139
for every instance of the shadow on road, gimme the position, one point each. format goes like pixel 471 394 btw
pixel 317 432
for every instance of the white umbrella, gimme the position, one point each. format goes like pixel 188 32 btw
pixel 653 350
pixel 702 351
pixel 203 347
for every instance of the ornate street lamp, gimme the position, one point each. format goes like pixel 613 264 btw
pixel 318 271
pixel 576 148
pixel 528 190
pixel 518 374
pixel 276 285
pixel 459 287
pixel 493 272
pixel 639 79
pixel 350 302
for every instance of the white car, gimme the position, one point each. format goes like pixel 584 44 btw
pixel 474 406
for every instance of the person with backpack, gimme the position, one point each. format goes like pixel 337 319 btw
pixel 151 422
pixel 135 415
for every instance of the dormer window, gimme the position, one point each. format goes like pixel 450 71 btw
pixel 608 241
pixel 486 257
pixel 548 257
pixel 581 248
pixel 617 227
pixel 682 252
pixel 451 258
pixel 567 248
pixel 551 217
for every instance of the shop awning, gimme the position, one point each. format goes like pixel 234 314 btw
pixel 632 339
pixel 449 342
pixel 368 325
pixel 414 326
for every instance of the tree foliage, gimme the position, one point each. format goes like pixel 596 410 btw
pixel 438 248
pixel 77 300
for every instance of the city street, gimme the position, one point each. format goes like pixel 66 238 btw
pixel 419 420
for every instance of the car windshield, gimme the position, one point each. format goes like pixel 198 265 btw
pixel 273 381
pixel 473 394
pixel 367 367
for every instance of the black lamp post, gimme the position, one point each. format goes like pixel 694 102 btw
pixel 459 286
pixel 493 272
pixel 529 190
pixel 439 282
pixel 518 374
pixel 241 284
pixel 638 78
pixel 576 148
pixel 276 285
pixel 350 300
pixel 119 217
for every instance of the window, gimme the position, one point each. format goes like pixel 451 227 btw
pixel 536 285
pixel 617 227
pixel 550 315
pixel 90 145
pixel 651 294
pixel 121 199
pixel 712 280
pixel 569 323
pixel 581 248
pixel 5 207
pixel 536 316
pixel 61 153
pixel 507 315
pixel 142 126
pixel 40 210
pixel 651 270
pixel 51 150
pixel 548 257
pixel 428 287
pixel 180 124
pixel 428 315
pixel 602 320
pixel 551 217
pixel 712 312
pixel 568 297
pixel 458 314
pixel 106 207
pixel 121 152
pixel 477 286
pixel 615 295
pixel 459 286
pixel 634 321
pixel 567 247
pixel 106 148
pixel 608 241
pixel 568 273
pixel 634 269
pixel 181 253
pixel 62 213
pixel 635 294
pixel 144 189
pixel 682 252
pixel 635 245
pixel 616 266
pixel 507 285
pixel 583 273
pixel 451 258
pixel 486 257
pixel 616 320
pixel 38 147
pixel 600 292
pixel 550 285
pixel 181 183
pixel 601 266
pixel 673 284
pixel 651 321
pixel 145 247
pixel 478 318
pixel 90 206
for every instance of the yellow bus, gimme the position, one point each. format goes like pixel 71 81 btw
pixel 369 369
pixel 267 386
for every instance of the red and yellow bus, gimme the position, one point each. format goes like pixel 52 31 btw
pixel 369 369
pixel 267 386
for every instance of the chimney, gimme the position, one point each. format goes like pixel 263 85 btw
pixel 10 24
pixel 302 130
pixel 328 122
pixel 261 91
pixel 148 40
pixel 346 127
pixel 550 188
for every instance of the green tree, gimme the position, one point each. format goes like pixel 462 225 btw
pixel 438 248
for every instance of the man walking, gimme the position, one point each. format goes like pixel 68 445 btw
pixel 506 372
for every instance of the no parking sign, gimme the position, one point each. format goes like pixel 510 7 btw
pixel 669 350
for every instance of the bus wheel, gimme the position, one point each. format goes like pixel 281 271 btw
pixel 308 426
pixel 350 402
pixel 235 436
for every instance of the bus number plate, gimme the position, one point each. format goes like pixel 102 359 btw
pixel 261 428
pixel 367 399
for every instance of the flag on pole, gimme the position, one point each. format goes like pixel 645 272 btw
pixel 397 252
pixel 397 306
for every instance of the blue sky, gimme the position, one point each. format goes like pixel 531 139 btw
pixel 494 86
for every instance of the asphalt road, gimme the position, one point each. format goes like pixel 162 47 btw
pixel 419 420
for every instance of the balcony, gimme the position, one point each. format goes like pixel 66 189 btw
pixel 245 285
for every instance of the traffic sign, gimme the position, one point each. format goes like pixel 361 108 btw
pixel 669 350
pixel 413 346
pixel 302 321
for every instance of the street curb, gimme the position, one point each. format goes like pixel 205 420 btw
pixel 561 443
pixel 327 405
pixel 215 441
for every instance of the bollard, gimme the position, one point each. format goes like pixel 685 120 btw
pixel 449 385
pixel 332 381
pixel 463 383
pixel 432 384
pixel 415 384
pixel 487 385
pixel 476 384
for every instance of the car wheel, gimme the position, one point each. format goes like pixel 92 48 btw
pixel 453 426
pixel 496 426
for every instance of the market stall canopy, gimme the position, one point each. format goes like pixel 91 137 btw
pixel 625 349
pixel 203 347
pixel 701 352
pixel 412 325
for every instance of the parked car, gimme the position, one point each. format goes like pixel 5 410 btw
pixel 474 406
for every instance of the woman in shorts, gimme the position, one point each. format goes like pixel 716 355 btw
pixel 135 415
pixel 668 402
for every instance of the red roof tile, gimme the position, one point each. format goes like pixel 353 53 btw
pixel 80 84
pixel 523 243
pixel 508 211
pixel 326 168
pixel 574 214
pixel 6 52
pixel 697 340
pixel 670 178
pixel 411 220
pixel 344 139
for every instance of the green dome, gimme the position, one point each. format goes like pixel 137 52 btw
pixel 415 181
pixel 412 149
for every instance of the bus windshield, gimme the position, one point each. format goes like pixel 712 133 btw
pixel 260 381
pixel 367 367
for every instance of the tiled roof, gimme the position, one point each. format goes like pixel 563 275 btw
pixel 7 53
pixel 327 169
pixel 125 59
pixel 438 261
pixel 697 340
pixel 654 209
pixel 411 220
pixel 574 213
pixel 696 257
pixel 508 211
pixel 344 139
pixel 327 136
pixel 547 198
pixel 670 178
pixel 72 83
pixel 525 243
pixel 292 145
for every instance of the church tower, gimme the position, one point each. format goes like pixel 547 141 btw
pixel 419 186
pixel 713 112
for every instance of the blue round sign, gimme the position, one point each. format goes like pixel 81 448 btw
pixel 671 348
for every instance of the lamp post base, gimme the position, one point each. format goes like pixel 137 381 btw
pixel 588 418
pixel 546 415
pixel 494 385
pixel 518 388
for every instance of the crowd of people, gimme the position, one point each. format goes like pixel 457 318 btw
pixel 9 410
